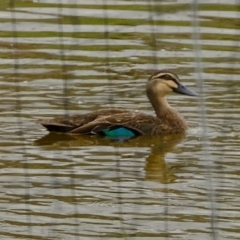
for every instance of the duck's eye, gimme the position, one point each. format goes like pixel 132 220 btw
pixel 167 77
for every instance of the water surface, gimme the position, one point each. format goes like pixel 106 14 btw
pixel 75 58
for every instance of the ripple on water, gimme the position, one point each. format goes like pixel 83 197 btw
pixel 58 186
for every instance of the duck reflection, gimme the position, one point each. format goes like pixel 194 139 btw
pixel 155 169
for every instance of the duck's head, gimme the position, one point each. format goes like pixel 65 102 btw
pixel 163 82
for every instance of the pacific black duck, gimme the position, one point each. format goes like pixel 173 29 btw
pixel 128 123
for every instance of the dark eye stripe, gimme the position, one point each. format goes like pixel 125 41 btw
pixel 168 77
pixel 164 75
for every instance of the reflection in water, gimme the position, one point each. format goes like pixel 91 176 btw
pixel 156 168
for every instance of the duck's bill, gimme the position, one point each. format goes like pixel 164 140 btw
pixel 184 90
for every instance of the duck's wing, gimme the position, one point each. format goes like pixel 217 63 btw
pixel 123 123
pixel 105 122
pixel 81 123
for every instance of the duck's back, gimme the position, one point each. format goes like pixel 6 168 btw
pixel 112 121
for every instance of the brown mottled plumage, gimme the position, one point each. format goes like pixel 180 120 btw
pixel 166 121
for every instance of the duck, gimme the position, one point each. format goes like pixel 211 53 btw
pixel 119 122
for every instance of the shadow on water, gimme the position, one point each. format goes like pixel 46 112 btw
pixel 156 168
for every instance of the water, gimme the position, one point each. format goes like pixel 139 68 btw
pixel 56 186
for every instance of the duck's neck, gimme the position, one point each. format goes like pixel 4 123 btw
pixel 166 113
pixel 161 106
